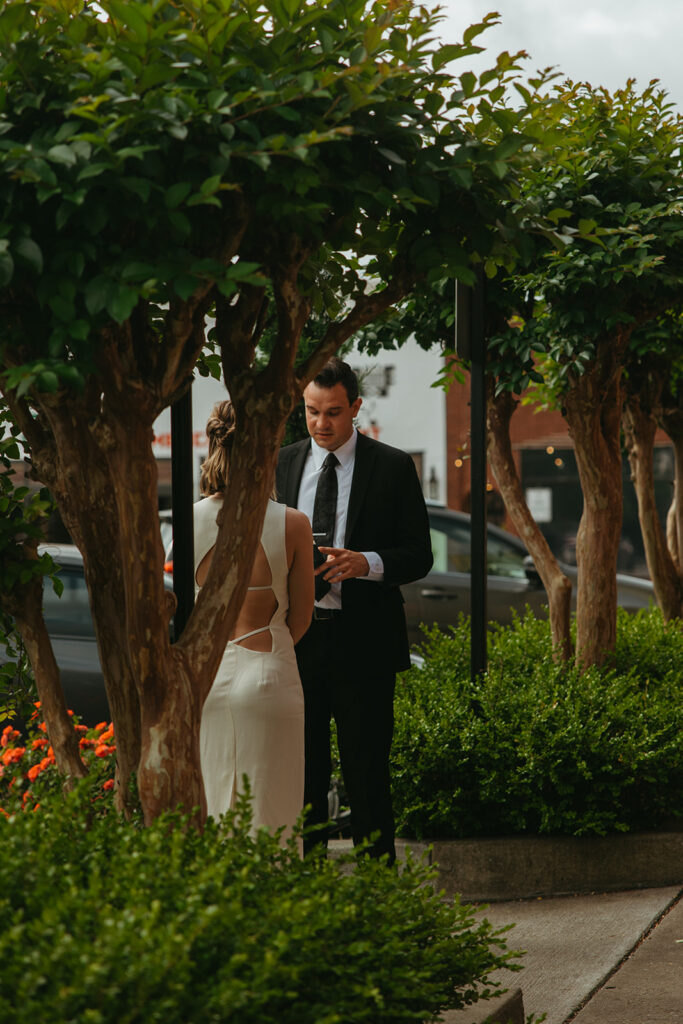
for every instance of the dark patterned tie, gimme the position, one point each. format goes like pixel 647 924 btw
pixel 325 514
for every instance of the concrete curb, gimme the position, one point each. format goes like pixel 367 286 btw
pixel 521 867
pixel 505 1009
pixel 525 866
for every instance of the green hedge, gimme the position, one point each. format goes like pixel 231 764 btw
pixel 103 922
pixel 536 746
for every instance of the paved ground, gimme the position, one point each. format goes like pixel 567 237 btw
pixel 602 958
pixel 573 945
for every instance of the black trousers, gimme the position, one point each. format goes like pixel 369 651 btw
pixel 341 682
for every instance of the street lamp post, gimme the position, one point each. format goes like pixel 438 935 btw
pixel 181 505
pixel 471 345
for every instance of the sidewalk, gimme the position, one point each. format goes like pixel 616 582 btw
pixel 575 944
pixel 597 958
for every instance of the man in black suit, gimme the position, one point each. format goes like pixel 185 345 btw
pixel 377 537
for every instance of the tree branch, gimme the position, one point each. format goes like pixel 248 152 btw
pixel 365 309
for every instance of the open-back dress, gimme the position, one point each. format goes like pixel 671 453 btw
pixel 253 719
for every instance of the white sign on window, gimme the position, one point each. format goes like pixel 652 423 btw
pixel 540 502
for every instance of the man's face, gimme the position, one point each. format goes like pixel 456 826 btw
pixel 329 415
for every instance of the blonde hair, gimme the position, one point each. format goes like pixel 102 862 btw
pixel 220 430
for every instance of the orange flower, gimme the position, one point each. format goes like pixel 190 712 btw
pixel 39 744
pixel 3 811
pixel 13 755
pixel 102 750
pixel 109 784
pixel 100 726
pixel 36 808
pixel 37 704
pixel 80 728
pixel 107 735
pixel 8 734
pixel 33 772
pixel 26 797
pixel 42 726
pixel 84 742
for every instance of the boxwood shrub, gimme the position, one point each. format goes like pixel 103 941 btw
pixel 104 921
pixel 536 746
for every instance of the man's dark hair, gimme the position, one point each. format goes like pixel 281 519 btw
pixel 336 371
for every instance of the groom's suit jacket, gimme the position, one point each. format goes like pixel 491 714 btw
pixel 386 514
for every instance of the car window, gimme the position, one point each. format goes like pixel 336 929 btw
pixel 504 559
pixel 451 550
pixel 68 615
pixel 450 547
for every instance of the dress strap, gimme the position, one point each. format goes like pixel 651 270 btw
pixel 238 639
pixel 268 586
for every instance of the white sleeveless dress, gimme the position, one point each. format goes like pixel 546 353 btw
pixel 253 719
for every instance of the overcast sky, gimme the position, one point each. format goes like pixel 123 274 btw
pixel 604 42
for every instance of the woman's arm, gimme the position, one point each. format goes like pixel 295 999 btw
pixel 300 582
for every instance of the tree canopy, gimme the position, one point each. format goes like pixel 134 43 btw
pixel 255 161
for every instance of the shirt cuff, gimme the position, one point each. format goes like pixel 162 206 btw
pixel 376 567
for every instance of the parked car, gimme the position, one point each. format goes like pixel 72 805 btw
pixel 71 630
pixel 513 582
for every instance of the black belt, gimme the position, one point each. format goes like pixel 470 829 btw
pixel 325 614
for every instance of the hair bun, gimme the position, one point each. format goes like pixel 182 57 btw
pixel 220 428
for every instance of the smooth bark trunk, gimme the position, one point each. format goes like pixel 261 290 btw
pixel 593 406
pixel 558 588
pixel 671 420
pixel 80 480
pixel 25 605
pixel 640 426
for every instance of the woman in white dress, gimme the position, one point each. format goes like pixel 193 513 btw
pixel 253 719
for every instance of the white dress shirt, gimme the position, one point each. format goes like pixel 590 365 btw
pixel 346 454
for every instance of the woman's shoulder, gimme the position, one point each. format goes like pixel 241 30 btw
pixel 296 522
pixel 207 508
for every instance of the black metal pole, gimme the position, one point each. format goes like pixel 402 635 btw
pixel 478 580
pixel 182 495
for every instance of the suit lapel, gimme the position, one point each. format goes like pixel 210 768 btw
pixel 362 476
pixel 296 470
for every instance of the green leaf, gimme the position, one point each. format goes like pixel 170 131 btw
pixel 176 193
pixel 47 381
pixel 131 15
pixel 97 294
pixel 62 154
pixel 446 54
pixel 30 253
pixel 6 268
pixel 121 303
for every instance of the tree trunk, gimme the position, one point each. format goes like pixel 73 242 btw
pixel 76 471
pixel 558 588
pixel 593 406
pixel 640 426
pixel 25 605
pixel 671 420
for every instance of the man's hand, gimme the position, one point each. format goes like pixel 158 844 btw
pixel 342 565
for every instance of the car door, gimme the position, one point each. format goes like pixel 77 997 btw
pixel 444 593
pixel 70 626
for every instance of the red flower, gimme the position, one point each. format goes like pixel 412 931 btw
pixel 109 784
pixel 13 755
pixel 7 735
pixel 102 750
